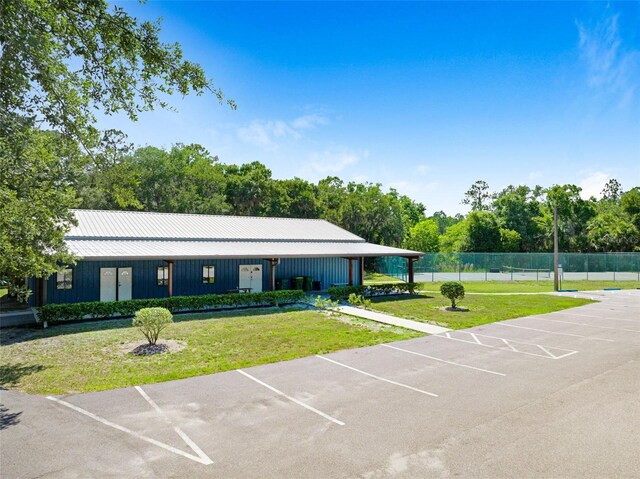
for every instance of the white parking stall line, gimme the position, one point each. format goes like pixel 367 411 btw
pixel 292 399
pixel 554 332
pixel 377 377
pixel 511 344
pixel 126 430
pixel 547 351
pixel 599 317
pixel 588 325
pixel 194 447
pixel 443 360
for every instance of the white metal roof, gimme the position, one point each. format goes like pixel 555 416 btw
pixel 142 225
pixel 149 249
pixel 102 235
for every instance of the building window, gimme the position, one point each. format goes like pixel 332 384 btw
pixel 163 275
pixel 208 274
pixel 64 279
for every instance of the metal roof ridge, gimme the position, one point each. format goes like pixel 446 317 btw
pixel 212 240
pixel 200 215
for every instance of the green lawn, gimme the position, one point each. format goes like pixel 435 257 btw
pixel 372 278
pixel 531 286
pixel 94 356
pixel 482 309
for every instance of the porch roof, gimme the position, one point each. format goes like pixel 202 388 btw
pixel 96 249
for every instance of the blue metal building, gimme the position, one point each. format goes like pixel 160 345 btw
pixel 130 255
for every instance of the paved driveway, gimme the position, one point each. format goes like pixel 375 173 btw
pixel 542 396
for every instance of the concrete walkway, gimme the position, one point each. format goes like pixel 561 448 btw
pixel 392 320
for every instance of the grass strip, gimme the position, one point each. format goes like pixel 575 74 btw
pixel 481 309
pixel 95 356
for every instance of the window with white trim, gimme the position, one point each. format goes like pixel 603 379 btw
pixel 64 279
pixel 163 275
pixel 208 274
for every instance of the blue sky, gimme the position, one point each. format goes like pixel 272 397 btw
pixel 424 97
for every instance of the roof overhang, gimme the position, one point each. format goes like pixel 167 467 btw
pixel 97 250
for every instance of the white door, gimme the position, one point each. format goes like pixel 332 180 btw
pixel 108 284
pixel 124 284
pixel 251 277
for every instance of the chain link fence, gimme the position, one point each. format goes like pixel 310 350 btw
pixel 514 266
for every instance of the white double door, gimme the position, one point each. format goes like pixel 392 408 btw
pixel 251 277
pixel 115 284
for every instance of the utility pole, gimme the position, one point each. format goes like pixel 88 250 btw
pixel 555 248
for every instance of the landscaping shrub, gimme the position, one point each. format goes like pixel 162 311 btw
pixel 151 321
pixel 56 313
pixel 326 305
pixel 342 293
pixel 355 299
pixel 452 290
pixel 359 300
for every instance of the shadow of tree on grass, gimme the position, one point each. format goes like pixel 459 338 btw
pixel 400 297
pixel 10 374
pixel 15 335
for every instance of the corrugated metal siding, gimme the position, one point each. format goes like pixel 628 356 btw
pixel 325 270
pixel 86 281
pixel 187 276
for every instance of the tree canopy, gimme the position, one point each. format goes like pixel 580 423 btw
pixel 62 62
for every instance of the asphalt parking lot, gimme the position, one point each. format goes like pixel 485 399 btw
pixel 542 396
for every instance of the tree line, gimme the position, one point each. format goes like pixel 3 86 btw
pixel 189 179
pixel 520 219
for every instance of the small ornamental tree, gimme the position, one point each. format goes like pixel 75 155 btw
pixel 452 290
pixel 151 321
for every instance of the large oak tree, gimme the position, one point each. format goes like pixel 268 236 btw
pixel 61 61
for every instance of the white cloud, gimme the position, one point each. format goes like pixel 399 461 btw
pixel 267 134
pixel 609 66
pixel 413 188
pixel 308 122
pixel 423 169
pixel 593 183
pixel 334 161
pixel 535 175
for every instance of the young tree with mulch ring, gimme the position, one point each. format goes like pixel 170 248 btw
pixel 151 321
pixel 452 290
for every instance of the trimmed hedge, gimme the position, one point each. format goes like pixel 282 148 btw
pixel 342 293
pixel 58 313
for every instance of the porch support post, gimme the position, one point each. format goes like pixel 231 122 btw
pixel 410 261
pixel 273 262
pixel 361 264
pixel 37 293
pixel 350 271
pixel 170 277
